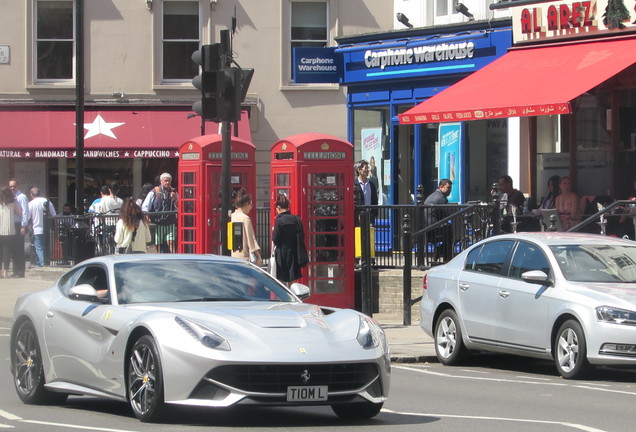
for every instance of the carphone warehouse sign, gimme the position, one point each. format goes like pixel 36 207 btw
pixel 317 65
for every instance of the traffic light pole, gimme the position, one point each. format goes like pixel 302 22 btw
pixel 226 152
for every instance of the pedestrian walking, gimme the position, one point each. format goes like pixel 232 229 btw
pixel 287 230
pixel 8 210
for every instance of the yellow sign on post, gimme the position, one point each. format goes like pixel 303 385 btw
pixel 235 236
pixel 358 242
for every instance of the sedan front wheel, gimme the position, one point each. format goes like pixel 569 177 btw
pixel 571 350
pixel 449 346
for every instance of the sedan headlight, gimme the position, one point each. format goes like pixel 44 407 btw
pixel 207 337
pixel 615 315
pixel 369 334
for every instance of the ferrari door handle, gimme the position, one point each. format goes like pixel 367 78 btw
pixel 50 314
pixel 503 294
pixel 463 286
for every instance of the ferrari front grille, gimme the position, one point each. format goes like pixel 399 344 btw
pixel 275 378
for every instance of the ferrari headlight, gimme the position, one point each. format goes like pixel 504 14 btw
pixel 614 315
pixel 207 337
pixel 369 334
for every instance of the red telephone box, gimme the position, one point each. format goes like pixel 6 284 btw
pixel 200 163
pixel 316 172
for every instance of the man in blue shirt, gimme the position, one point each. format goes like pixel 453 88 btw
pixel 21 224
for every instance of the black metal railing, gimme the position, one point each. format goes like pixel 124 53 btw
pixel 438 232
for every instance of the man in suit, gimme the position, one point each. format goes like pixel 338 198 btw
pixel 364 192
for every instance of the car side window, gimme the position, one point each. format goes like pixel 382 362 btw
pixel 69 280
pixel 471 258
pixel 528 257
pixel 493 256
pixel 95 276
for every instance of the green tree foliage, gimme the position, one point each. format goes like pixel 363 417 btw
pixel 615 14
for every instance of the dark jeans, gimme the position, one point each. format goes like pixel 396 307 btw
pixel 18 251
pixel 7 243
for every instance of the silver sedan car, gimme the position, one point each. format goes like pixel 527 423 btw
pixel 193 330
pixel 564 296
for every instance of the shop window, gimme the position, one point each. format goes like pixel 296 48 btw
pixel 181 35
pixel 370 126
pixel 308 27
pixel 54 40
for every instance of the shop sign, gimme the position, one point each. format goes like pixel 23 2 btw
pixel 317 65
pixel 418 57
pixel 568 19
pixel 421 54
pixel 88 153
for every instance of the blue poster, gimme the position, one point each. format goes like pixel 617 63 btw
pixel 451 159
pixel 372 152
pixel 317 65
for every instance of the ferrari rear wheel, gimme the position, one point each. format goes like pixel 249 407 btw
pixel 26 365
pixel 357 411
pixel 145 380
pixel 449 346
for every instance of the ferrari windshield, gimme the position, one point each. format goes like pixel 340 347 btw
pixel 597 262
pixel 194 281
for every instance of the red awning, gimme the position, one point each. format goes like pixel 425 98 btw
pixel 527 82
pixel 107 133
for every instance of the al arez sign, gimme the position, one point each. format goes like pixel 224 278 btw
pixel 572 19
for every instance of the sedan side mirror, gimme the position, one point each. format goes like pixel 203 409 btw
pixel 83 292
pixel 301 291
pixel 537 277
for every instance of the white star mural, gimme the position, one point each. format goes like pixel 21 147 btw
pixel 100 127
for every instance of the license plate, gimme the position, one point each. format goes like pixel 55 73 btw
pixel 306 393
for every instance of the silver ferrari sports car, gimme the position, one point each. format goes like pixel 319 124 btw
pixel 195 330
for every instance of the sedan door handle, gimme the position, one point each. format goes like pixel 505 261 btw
pixel 463 286
pixel 503 294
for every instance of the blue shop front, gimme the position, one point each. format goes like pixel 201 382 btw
pixel 388 73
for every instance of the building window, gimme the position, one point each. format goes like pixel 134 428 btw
pixel 181 37
pixel 54 40
pixel 308 26
pixel 445 12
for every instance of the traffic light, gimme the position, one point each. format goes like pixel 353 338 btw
pixel 208 58
pixel 228 86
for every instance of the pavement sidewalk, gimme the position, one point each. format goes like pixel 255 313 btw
pixel 408 344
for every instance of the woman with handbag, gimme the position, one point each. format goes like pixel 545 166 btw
pixel 132 233
pixel 288 238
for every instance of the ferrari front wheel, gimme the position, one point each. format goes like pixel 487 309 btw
pixel 145 380
pixel 27 368
pixel 357 411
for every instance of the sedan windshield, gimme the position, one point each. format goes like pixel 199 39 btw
pixel 194 281
pixel 597 262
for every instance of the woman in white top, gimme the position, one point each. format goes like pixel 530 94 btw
pixel 132 228
pixel 243 203
pixel 8 210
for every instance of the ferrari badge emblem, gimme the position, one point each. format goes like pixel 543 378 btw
pixel 304 377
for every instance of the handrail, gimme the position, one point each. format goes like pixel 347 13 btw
pixel 599 213
pixel 443 221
